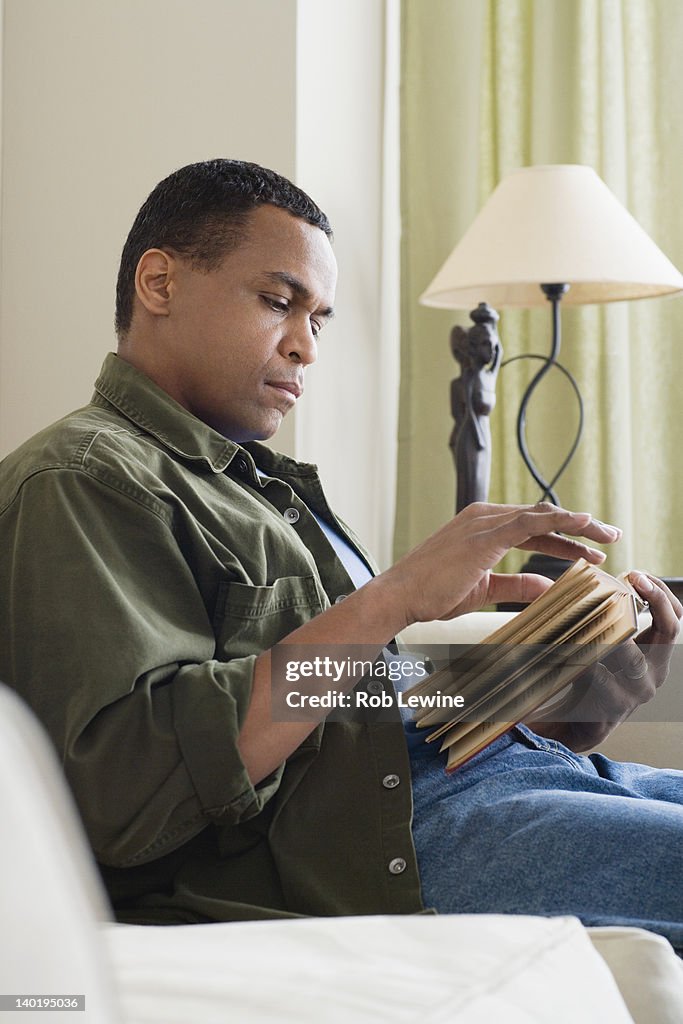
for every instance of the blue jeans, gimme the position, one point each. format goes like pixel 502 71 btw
pixel 528 827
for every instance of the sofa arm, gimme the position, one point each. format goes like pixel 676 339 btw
pixel 50 895
pixel 465 629
pixel 470 629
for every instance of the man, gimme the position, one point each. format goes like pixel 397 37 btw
pixel 153 553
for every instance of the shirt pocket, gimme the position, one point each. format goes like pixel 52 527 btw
pixel 251 619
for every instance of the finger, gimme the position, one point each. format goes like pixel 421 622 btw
pixel 538 521
pixel 675 603
pixel 666 610
pixel 603 696
pixel 502 513
pixel 642 668
pixel 563 547
pixel 543 520
pixel 520 587
pixel 595 696
pixel 607 696
pixel 609 531
pixel 629 661
pixel 657 642
pixel 595 529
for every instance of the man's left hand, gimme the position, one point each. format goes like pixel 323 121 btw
pixel 610 691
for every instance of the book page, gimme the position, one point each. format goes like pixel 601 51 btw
pixel 530 659
pixel 512 672
pixel 590 645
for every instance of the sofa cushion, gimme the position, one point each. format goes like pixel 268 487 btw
pixel 648 972
pixel 473 969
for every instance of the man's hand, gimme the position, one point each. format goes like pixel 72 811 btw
pixel 450 573
pixel 630 676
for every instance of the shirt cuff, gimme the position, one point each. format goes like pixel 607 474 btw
pixel 207 716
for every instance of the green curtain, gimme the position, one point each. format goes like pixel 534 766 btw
pixel 491 85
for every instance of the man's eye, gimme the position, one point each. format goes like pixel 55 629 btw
pixel 316 328
pixel 279 305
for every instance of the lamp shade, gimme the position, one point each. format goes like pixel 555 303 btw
pixel 557 223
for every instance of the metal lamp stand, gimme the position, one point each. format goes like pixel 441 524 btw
pixel 547 565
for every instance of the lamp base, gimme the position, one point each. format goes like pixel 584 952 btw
pixel 541 565
pixel 546 565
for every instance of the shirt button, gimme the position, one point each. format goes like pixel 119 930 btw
pixel 291 515
pixel 397 865
pixel 374 687
pixel 390 781
pixel 338 600
pixel 242 465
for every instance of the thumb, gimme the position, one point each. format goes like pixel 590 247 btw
pixel 521 587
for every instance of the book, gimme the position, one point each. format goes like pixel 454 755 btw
pixel 526 663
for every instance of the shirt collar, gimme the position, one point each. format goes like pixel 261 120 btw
pixel 152 409
pixel 140 400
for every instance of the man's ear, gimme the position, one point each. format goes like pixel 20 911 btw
pixel 154 281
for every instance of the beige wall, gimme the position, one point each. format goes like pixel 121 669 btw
pixel 100 100
pixel 347 424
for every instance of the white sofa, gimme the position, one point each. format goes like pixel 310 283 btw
pixel 57 939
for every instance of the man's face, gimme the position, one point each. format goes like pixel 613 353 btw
pixel 240 337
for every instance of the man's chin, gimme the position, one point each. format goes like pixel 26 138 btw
pixel 260 432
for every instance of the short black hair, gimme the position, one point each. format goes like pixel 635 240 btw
pixel 201 212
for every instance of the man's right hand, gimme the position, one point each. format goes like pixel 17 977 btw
pixel 450 572
pixel 447 575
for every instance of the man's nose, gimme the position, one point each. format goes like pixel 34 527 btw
pixel 300 344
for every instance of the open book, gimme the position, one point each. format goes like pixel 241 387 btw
pixel 528 661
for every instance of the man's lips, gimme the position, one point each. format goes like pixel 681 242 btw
pixel 288 386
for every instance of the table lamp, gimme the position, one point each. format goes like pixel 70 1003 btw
pixel 551 233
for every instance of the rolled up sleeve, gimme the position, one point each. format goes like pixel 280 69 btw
pixel 109 637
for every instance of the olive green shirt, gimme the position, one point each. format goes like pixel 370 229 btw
pixel 143 567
